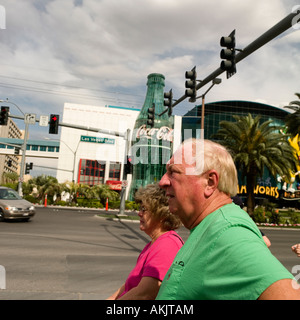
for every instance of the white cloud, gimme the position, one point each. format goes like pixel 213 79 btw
pixel 101 52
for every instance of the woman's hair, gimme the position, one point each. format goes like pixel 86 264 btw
pixel 155 200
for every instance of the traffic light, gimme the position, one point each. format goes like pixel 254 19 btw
pixel 17 150
pixel 228 54
pixel 9 162
pixel 28 167
pixel 128 165
pixel 53 125
pixel 190 84
pixel 168 102
pixel 4 116
pixel 151 116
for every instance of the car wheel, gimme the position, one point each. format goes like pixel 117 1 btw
pixel 1 216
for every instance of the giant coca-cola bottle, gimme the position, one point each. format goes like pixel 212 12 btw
pixel 151 146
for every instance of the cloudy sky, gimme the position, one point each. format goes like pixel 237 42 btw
pixel 100 52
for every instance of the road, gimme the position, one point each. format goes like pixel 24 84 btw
pixel 75 255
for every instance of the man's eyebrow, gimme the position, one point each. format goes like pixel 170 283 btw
pixel 175 166
pixel 169 165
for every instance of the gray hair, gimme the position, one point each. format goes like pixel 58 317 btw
pixel 208 155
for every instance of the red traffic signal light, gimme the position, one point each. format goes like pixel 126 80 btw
pixel 129 165
pixel 4 116
pixel 53 124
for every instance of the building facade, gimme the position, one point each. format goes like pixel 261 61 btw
pixel 90 157
pixel 9 163
pixel 268 187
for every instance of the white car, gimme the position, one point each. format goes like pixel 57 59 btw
pixel 12 206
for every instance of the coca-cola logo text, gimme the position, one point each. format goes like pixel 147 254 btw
pixel 163 133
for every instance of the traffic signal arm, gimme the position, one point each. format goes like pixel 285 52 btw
pixel 276 30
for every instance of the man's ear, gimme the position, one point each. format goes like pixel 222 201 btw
pixel 212 182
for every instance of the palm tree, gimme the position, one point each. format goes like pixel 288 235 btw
pixel 54 188
pixel 11 177
pixel 46 185
pixel 292 121
pixel 254 146
pixel 105 192
pixel 75 189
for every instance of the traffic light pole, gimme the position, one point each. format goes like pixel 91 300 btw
pixel 24 146
pixel 272 33
pixel 123 191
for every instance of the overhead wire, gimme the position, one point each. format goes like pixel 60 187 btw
pixel 77 95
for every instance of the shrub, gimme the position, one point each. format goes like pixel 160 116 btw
pixel 130 205
pixel 294 218
pixel 259 214
pixel 61 203
pixel 274 217
pixel 95 204
pixel 11 185
pixel 31 199
pixel 114 204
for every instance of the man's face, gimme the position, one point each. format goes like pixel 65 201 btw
pixel 182 188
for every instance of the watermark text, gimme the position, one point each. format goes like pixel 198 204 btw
pixel 296 272
pixel 2 278
pixel 2 17
pixel 296 19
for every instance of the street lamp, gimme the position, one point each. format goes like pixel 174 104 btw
pixel 215 81
pixel 74 153
pixel 6 101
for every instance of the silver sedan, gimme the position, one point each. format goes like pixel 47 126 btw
pixel 12 206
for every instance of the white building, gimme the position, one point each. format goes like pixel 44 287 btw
pixel 95 157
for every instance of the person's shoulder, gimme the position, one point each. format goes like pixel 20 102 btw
pixel 171 237
pixel 227 217
pixel 235 215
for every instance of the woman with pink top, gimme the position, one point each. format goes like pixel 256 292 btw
pixel 155 259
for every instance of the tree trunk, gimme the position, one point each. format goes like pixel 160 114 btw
pixel 251 181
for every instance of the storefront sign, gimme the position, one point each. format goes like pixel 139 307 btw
pixel 97 140
pixel 114 185
pixel 262 190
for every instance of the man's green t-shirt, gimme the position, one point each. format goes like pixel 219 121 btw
pixel 224 258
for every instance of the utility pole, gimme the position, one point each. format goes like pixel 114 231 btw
pixel 24 146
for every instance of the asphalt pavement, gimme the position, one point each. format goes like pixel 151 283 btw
pixel 65 254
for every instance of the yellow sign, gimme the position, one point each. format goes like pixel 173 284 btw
pixel 266 191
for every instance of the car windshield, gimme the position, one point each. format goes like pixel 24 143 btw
pixel 8 194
